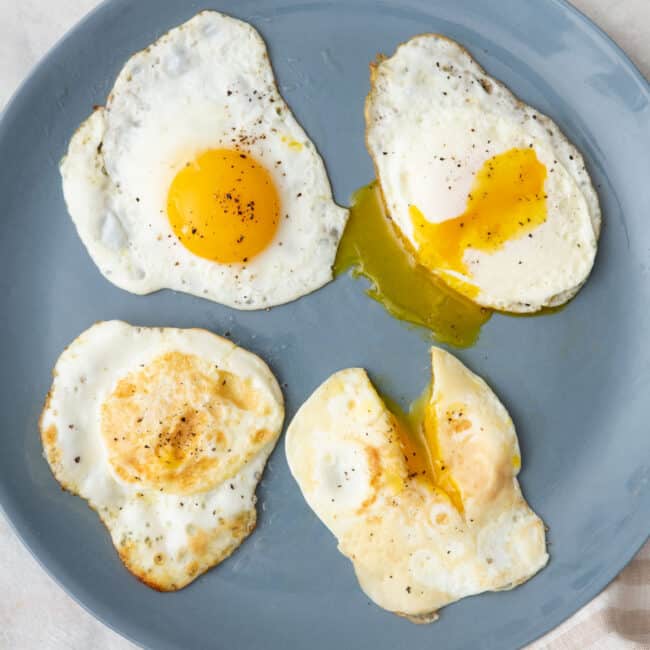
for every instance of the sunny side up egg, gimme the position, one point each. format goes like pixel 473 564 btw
pixel 165 432
pixel 487 191
pixel 427 507
pixel 197 177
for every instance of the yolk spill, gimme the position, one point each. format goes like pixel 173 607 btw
pixel 507 201
pixel 419 441
pixel 223 206
pixel 410 292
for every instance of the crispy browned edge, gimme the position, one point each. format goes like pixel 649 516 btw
pixel 171 586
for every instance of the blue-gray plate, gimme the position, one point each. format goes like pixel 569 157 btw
pixel 577 383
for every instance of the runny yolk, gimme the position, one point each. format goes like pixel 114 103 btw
pixel 372 247
pixel 507 201
pixel 224 206
pixel 419 441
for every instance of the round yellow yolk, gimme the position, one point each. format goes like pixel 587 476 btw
pixel 224 206
pixel 507 201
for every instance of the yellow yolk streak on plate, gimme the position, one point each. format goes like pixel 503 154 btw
pixel 371 247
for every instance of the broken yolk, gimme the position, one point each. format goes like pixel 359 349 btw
pixel 507 201
pixel 372 247
pixel 417 429
pixel 224 206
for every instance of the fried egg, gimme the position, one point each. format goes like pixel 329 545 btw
pixel 488 192
pixel 428 507
pixel 196 176
pixel 165 432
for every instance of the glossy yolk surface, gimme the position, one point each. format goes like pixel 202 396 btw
pixel 224 206
pixel 372 248
pixel 507 201
pixel 419 442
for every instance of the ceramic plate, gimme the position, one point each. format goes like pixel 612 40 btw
pixel 576 383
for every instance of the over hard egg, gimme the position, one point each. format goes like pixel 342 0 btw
pixel 165 432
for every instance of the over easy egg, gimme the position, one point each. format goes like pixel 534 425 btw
pixel 488 192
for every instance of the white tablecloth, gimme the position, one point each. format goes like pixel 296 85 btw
pixel 36 614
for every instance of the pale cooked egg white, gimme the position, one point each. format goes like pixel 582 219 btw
pixel 197 177
pixel 489 193
pixel 429 516
pixel 165 432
